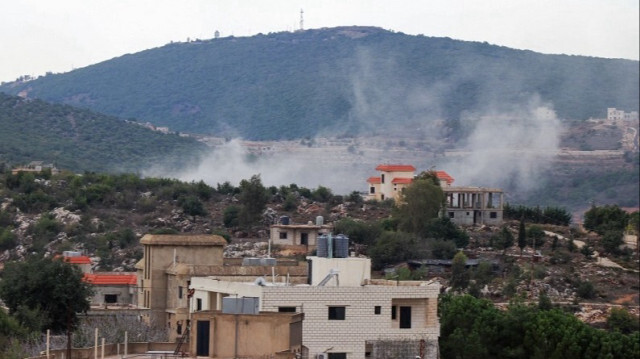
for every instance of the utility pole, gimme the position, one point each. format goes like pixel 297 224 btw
pixel 301 20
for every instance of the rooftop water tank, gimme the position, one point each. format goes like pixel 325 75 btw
pixel 319 221
pixel 341 246
pixel 284 220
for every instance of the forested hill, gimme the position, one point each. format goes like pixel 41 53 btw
pixel 81 140
pixel 347 80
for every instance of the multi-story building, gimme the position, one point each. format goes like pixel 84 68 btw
pixel 171 261
pixel 464 205
pixel 346 314
pixel 614 114
pixel 468 206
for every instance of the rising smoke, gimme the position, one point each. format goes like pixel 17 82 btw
pixel 512 148
pixel 508 145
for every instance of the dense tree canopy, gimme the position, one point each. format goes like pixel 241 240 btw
pixel 52 288
pixel 419 203
pixel 474 328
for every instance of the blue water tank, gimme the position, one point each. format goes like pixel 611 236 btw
pixel 341 246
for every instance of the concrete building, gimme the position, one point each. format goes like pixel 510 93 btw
pixel 171 261
pixel 113 289
pixel 230 335
pixel 394 178
pixel 345 318
pixel 615 115
pixel 468 206
pixel 464 205
pixel 389 184
pixel 303 237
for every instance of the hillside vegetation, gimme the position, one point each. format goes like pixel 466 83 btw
pixel 81 140
pixel 337 81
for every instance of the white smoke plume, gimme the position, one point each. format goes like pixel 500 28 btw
pixel 511 148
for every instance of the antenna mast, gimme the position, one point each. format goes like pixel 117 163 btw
pixel 301 20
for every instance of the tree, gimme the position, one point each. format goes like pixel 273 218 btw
pixel 535 234
pixel 504 239
pixel 522 236
pixel 602 219
pixel 459 274
pixel 621 320
pixel 192 206
pixel 393 247
pixel 253 198
pixel 419 203
pixel 611 241
pixel 52 287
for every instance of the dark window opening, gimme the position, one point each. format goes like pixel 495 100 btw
pixel 382 178
pixel 337 355
pixel 179 328
pixel 377 309
pixel 493 214
pixel 405 317
pixel 382 196
pixel 304 238
pixel 287 309
pixel 393 313
pixel 283 235
pixel 336 313
pixel 451 214
pixel 180 292
pixel 110 298
pixel 372 190
pixel 198 303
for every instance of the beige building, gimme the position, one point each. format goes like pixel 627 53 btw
pixel 394 178
pixel 167 297
pixel 346 318
pixel 390 181
pixel 465 206
pixel 300 236
pixel 468 206
pixel 225 335
pixel 171 261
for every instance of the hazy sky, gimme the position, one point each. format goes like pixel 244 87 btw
pixel 37 36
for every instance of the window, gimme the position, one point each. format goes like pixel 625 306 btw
pixel 372 190
pixel 337 355
pixel 393 313
pixel 304 238
pixel 180 292
pixel 179 328
pixel 405 317
pixel 287 309
pixel 451 215
pixel 283 235
pixel 336 313
pixel 377 309
pixel 493 215
pixel 382 196
pixel 110 298
pixel 198 303
pixel 382 178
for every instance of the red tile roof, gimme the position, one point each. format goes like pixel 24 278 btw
pixel 395 168
pixel 444 176
pixel 374 180
pixel 77 260
pixel 402 180
pixel 111 279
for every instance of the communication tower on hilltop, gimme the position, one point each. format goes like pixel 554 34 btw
pixel 301 20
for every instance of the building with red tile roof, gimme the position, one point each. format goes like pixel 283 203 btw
pixel 444 177
pixel 393 178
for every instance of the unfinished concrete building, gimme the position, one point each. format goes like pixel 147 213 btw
pixel 468 206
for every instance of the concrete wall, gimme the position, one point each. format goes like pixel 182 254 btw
pixel 126 294
pixel 246 335
pixel 361 324
pixel 353 271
